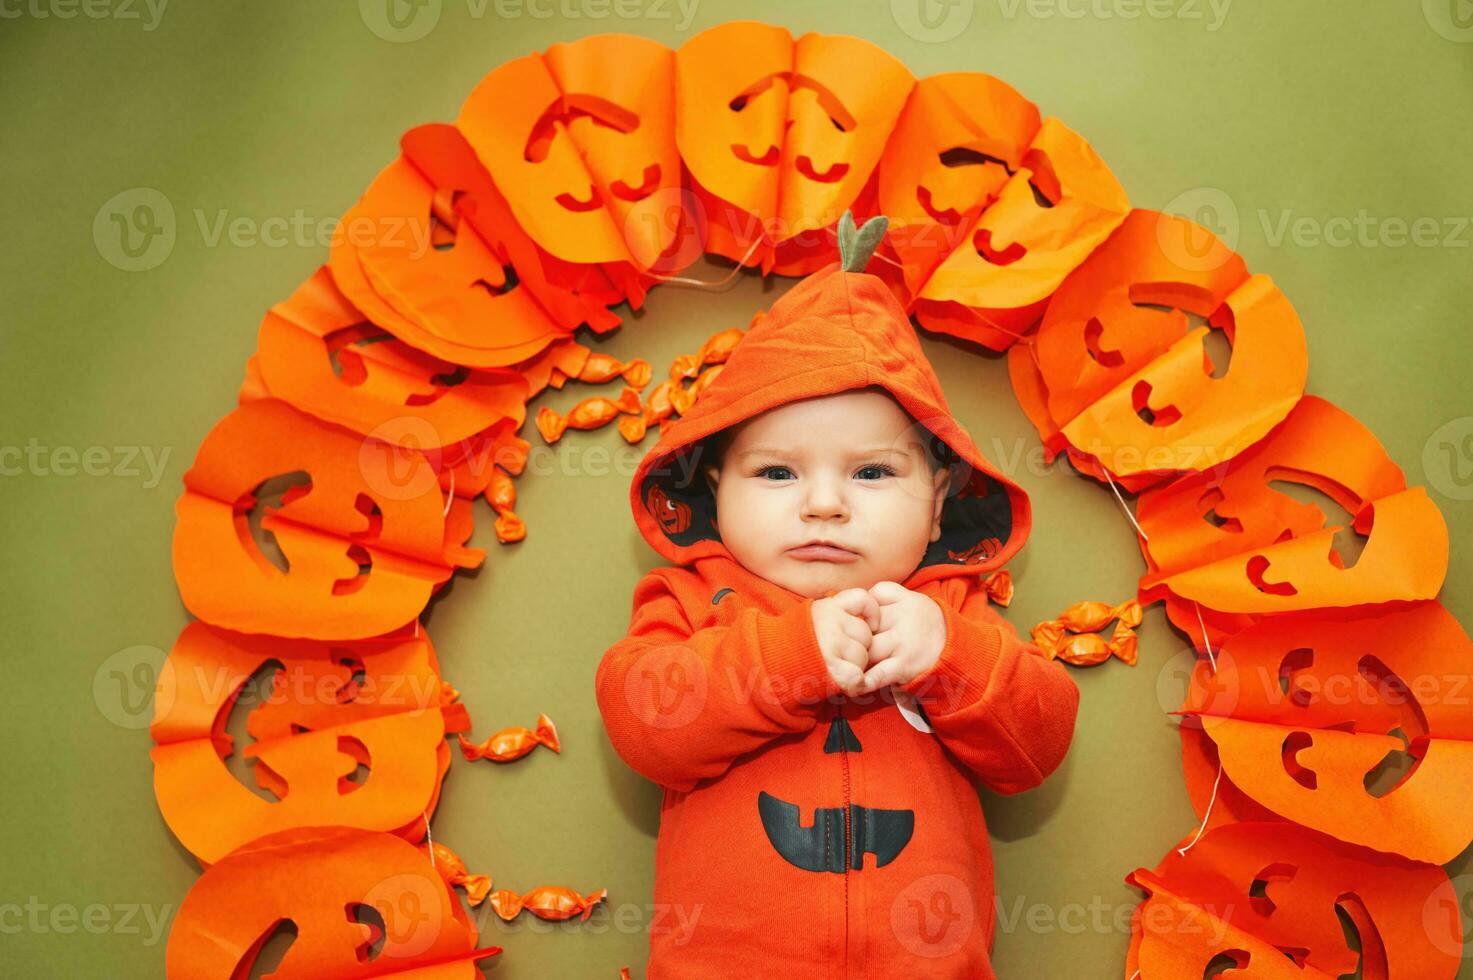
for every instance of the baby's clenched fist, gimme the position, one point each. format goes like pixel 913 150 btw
pixel 845 623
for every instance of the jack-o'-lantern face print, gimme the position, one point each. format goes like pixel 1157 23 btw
pixel 674 515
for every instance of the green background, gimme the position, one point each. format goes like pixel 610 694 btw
pixel 1314 109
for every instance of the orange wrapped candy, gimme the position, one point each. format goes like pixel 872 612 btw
pixel 453 869
pixel 502 496
pixel 546 902
pixel 999 586
pixel 715 350
pixel 513 743
pixel 1074 637
pixel 602 368
pixel 681 399
pixel 587 414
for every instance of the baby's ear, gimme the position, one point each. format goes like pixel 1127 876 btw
pixel 713 475
pixel 941 486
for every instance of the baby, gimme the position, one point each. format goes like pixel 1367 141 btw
pixel 817 680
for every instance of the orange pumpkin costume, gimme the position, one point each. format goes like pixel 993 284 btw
pixel 804 833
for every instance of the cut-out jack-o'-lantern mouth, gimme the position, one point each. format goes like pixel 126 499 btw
pixel 840 836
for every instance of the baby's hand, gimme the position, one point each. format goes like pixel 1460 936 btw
pixel 910 637
pixel 844 623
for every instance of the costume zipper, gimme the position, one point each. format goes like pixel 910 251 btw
pixel 844 758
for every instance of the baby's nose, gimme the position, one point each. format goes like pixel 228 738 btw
pixel 825 501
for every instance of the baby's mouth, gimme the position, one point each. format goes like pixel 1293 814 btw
pixel 822 552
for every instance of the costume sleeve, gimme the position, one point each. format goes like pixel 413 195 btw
pixel 998 703
pixel 680 705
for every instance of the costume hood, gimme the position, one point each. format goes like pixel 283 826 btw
pixel 836 330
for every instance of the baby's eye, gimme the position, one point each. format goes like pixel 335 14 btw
pixel 767 470
pixel 879 471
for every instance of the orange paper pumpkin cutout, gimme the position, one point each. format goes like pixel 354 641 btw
pixel 364 905
pixel 332 707
pixel 1148 403
pixel 570 293
pixel 1265 896
pixel 463 303
pixel 1215 798
pixel 781 136
pixel 1229 543
pixel 1127 304
pixel 364 541
pixel 1304 708
pixel 582 143
pixel 318 352
pixel 959 139
pixel 1047 218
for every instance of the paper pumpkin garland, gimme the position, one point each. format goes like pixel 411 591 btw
pixel 364 904
pixel 389 389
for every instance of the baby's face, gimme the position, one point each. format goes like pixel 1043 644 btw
pixel 851 469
